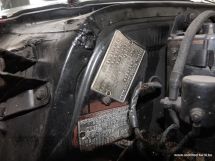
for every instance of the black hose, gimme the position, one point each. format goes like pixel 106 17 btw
pixel 165 133
pixel 175 125
pixel 184 141
pixel 177 72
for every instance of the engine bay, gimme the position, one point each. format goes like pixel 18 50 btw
pixel 112 81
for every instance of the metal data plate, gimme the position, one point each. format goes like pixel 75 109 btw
pixel 103 128
pixel 118 68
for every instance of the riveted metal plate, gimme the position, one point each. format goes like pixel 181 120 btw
pixel 104 127
pixel 118 68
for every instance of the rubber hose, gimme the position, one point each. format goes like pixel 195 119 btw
pixel 166 132
pixel 177 72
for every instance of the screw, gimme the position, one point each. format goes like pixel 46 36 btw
pixel 196 118
pixel 42 93
pixel 197 115
pixel 106 100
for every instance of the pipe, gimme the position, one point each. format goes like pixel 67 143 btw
pixel 177 72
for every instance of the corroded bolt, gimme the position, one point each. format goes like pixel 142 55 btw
pixel 42 93
pixel 196 118
pixel 197 115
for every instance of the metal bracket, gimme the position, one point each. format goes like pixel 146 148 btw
pixel 25 102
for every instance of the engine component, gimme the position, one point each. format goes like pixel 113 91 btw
pixel 185 46
pixel 198 100
pixel 195 106
pixel 200 60
pixel 118 68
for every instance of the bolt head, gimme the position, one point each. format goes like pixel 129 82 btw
pixel 106 100
pixel 197 115
pixel 41 93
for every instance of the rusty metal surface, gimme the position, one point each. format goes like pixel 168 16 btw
pixel 96 106
pixel 118 68
pixel 103 128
